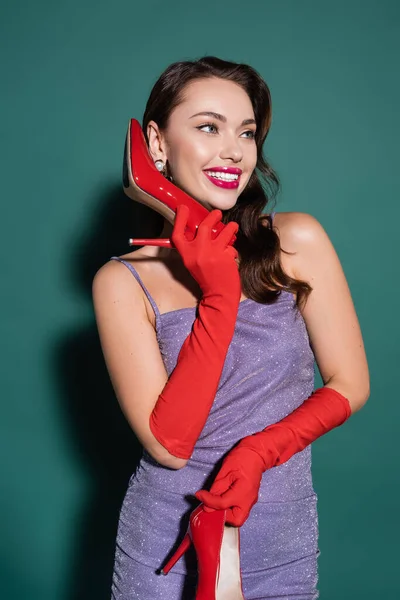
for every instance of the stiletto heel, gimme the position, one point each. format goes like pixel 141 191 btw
pixel 165 242
pixel 180 551
pixel 218 555
pixel 144 183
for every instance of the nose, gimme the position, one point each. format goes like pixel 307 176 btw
pixel 231 149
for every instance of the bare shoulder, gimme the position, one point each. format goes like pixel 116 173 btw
pixel 115 270
pixel 329 313
pixel 114 282
pixel 162 276
pixel 304 237
pixel 295 228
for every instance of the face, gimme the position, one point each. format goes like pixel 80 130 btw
pixel 195 143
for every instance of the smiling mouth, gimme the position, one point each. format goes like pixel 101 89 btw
pixel 223 176
pixel 229 181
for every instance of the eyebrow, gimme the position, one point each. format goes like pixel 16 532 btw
pixel 219 117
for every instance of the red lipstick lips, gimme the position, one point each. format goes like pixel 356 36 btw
pixel 222 183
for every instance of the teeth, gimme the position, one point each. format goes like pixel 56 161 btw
pixel 222 175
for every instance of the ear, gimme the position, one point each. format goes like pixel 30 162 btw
pixel 156 142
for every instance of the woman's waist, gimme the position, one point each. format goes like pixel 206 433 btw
pixel 289 481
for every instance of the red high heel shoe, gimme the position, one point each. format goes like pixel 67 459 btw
pixel 218 549
pixel 145 184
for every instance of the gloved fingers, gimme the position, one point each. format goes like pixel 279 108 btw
pixel 203 232
pixel 217 488
pixel 231 250
pixel 236 516
pixel 226 499
pixel 240 514
pixel 223 483
pixel 211 501
pixel 225 236
pixel 180 221
pixel 215 498
pixel 206 225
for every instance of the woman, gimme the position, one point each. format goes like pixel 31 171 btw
pixel 279 300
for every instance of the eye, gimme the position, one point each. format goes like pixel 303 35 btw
pixel 213 125
pixel 252 134
pixel 207 125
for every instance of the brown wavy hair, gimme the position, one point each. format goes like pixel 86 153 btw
pixel 257 243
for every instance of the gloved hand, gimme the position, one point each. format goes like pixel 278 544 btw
pixel 183 406
pixel 237 484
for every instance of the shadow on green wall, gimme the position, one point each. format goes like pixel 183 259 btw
pixel 103 443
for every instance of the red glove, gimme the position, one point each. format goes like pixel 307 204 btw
pixel 237 484
pixel 183 406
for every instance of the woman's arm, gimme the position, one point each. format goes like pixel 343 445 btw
pixel 131 353
pixel 168 413
pixel 329 313
pixel 336 339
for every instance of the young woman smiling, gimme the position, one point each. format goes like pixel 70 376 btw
pixel 211 347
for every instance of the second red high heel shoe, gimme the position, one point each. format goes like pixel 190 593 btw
pixel 144 183
pixel 218 555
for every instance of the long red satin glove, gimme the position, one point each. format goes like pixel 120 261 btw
pixel 237 484
pixel 182 408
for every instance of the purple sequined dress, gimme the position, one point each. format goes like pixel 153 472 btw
pixel 268 372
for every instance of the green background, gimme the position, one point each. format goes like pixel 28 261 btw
pixel 72 76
